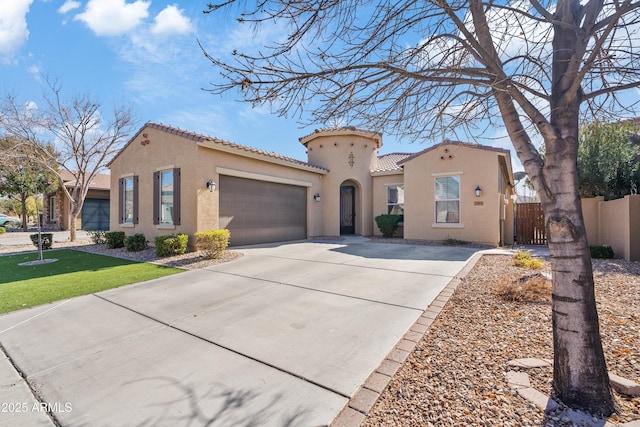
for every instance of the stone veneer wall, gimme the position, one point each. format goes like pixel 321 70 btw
pixel 59 200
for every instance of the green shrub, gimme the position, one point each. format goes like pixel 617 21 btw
pixel 524 259
pixel 96 236
pixel 172 244
pixel 47 240
pixel 135 243
pixel 114 239
pixel 387 224
pixel 3 230
pixel 212 243
pixel 601 251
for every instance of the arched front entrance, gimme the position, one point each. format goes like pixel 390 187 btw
pixel 348 209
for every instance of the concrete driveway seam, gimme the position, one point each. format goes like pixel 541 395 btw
pixel 168 325
pixel 350 264
pixel 33 317
pixel 325 291
pixel 38 401
pixel 355 411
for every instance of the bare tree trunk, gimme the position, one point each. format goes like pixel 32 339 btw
pixel 580 377
pixel 25 218
pixel 73 218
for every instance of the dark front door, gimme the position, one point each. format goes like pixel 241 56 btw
pixel 347 209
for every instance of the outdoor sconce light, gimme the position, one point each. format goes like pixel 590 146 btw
pixel 211 185
pixel 316 197
pixel 478 191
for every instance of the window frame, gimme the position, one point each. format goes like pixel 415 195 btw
pixel 391 205
pixel 52 208
pixel 162 221
pixel 447 200
pixel 157 197
pixel 122 203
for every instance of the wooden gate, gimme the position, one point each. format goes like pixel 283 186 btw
pixel 530 226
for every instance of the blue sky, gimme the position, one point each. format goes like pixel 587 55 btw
pixel 145 54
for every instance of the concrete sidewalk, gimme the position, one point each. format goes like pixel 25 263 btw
pixel 283 336
pixel 16 238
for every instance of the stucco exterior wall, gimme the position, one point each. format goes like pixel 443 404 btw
pixel 334 152
pixel 380 184
pixel 634 227
pixel 212 163
pixel 153 150
pixel 479 216
pixel 615 223
pixel 591 216
pixel 615 228
pixel 150 151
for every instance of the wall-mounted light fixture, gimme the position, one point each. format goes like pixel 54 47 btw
pixel 478 191
pixel 316 197
pixel 211 186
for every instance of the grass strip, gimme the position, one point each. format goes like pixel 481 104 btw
pixel 75 273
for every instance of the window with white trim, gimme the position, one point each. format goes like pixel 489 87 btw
pixel 395 199
pixel 166 197
pixel 52 208
pixel 127 200
pixel 447 197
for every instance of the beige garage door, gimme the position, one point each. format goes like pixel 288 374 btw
pixel 262 212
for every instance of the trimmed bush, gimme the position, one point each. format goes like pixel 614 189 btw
pixel 601 251
pixel 135 243
pixel 387 224
pixel 212 243
pixel 47 240
pixel 524 259
pixel 114 239
pixel 171 244
pixel 96 236
pixel 3 230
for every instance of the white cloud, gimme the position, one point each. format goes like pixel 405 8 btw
pixel 68 6
pixel 114 17
pixel 13 26
pixel 171 21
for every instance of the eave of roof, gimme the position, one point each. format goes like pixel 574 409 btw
pixel 346 130
pixel 227 146
pixel 458 143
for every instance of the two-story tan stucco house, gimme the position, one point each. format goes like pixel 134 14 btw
pixel 168 180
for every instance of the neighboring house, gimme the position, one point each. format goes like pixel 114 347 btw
pixel 95 211
pixel 175 181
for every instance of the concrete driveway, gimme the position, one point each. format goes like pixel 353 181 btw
pixel 283 336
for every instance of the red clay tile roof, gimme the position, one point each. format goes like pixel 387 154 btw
pixel 389 162
pixel 197 137
pixel 369 133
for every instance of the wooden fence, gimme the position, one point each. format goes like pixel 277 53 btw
pixel 530 227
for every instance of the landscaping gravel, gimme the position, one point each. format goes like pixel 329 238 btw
pixel 456 374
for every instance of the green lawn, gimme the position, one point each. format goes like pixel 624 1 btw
pixel 75 273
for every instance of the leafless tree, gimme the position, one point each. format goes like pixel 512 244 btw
pixel 84 140
pixel 427 68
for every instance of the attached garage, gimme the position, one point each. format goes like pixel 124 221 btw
pixel 95 214
pixel 258 211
